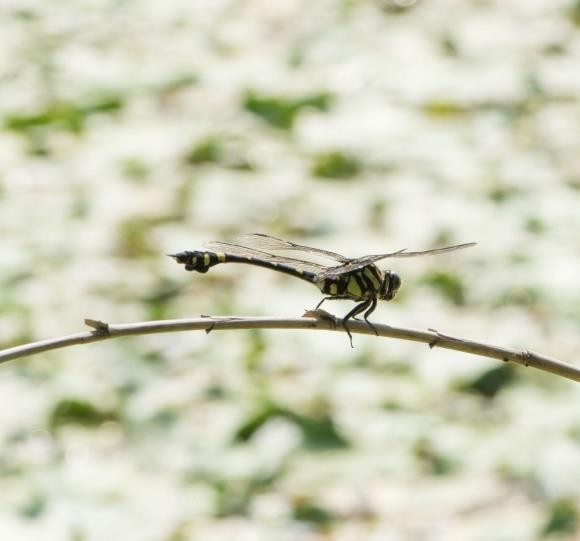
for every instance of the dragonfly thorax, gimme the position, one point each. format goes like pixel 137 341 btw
pixel 368 282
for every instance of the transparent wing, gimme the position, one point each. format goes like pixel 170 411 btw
pixel 267 242
pixel 365 260
pixel 404 253
pixel 244 251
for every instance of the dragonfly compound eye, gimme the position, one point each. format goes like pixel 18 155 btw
pixel 390 286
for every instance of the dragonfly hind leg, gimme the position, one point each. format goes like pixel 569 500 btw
pixel 366 315
pixel 368 305
pixel 354 312
pixel 370 310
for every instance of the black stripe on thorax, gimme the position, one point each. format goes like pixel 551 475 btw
pixel 342 285
pixel 375 276
pixel 368 285
pixel 358 276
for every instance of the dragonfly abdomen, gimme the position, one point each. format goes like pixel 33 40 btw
pixel 202 261
pixel 199 261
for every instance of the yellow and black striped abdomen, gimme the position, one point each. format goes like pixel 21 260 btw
pixel 357 285
pixel 199 261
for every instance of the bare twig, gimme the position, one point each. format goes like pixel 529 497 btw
pixel 105 331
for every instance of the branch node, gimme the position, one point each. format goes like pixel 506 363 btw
pixel 436 340
pixel 101 327
pixel 440 337
pixel 321 315
pixel 527 357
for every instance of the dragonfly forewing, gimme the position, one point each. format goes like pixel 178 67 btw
pixel 267 242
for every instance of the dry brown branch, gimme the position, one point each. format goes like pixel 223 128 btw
pixel 433 338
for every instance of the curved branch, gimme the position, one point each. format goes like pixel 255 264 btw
pixel 318 320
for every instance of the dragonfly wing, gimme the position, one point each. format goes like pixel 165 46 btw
pixel 267 242
pixel 368 259
pixel 434 251
pixel 236 249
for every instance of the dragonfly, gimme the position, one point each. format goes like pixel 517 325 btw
pixel 339 277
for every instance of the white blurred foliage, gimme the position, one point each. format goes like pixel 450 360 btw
pixel 448 106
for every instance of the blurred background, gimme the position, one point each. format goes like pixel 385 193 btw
pixel 132 129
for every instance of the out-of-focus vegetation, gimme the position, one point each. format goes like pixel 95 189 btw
pixel 131 130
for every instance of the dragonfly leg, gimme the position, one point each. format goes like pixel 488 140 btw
pixel 324 299
pixel 331 298
pixel 370 310
pixel 355 311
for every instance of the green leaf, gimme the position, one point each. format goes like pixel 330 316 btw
pixel 564 518
pixel 206 151
pixel 78 412
pixel 575 13
pixel 319 432
pixel 491 382
pixel 535 225
pixel 500 194
pixel 449 285
pixel 34 508
pixel 65 115
pixel 281 112
pixel 443 109
pixel 256 421
pixel 306 511
pixel 335 165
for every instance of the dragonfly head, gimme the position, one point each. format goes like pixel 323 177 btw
pixel 390 285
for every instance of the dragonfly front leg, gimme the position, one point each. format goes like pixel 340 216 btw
pixel 320 303
pixel 333 298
